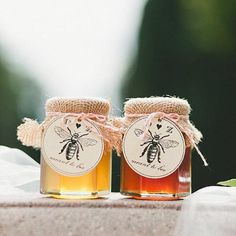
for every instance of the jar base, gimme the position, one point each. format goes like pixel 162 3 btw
pixel 75 195
pixel 156 196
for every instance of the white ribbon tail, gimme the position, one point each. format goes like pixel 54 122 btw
pixel 200 154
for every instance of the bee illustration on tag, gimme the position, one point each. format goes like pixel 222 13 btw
pixel 154 144
pixel 74 142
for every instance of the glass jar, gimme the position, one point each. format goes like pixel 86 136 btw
pixel 171 187
pixel 75 159
pixel 158 164
pixel 94 184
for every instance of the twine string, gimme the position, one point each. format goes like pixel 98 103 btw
pixel 109 133
pixel 176 118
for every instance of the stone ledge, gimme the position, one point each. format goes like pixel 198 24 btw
pixel 32 214
pixel 114 200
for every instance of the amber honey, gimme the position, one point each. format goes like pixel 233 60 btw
pixel 91 185
pixel 157 143
pixel 174 186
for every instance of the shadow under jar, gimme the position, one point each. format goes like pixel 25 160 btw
pixel 156 165
pixel 84 168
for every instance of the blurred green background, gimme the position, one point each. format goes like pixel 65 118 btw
pixel 20 96
pixel 185 48
pixel 188 49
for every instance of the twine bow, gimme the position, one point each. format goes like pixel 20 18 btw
pixel 30 132
pixel 181 121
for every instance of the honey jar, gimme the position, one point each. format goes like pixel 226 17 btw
pixel 75 148
pixel 156 148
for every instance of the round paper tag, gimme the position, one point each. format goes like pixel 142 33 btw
pixel 156 153
pixel 72 147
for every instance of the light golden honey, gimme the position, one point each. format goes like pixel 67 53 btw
pixel 91 185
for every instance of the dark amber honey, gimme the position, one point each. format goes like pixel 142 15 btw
pixel 173 186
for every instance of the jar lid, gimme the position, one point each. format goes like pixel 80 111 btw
pixel 78 105
pixel 157 104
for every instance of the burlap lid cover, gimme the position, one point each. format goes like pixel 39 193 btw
pixel 157 104
pixel 168 105
pixel 78 105
pixel 30 132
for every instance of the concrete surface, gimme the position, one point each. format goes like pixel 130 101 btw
pixel 32 214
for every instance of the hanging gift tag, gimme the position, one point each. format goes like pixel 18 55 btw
pixel 156 152
pixel 72 147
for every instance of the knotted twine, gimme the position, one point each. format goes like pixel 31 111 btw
pixel 175 109
pixel 30 132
